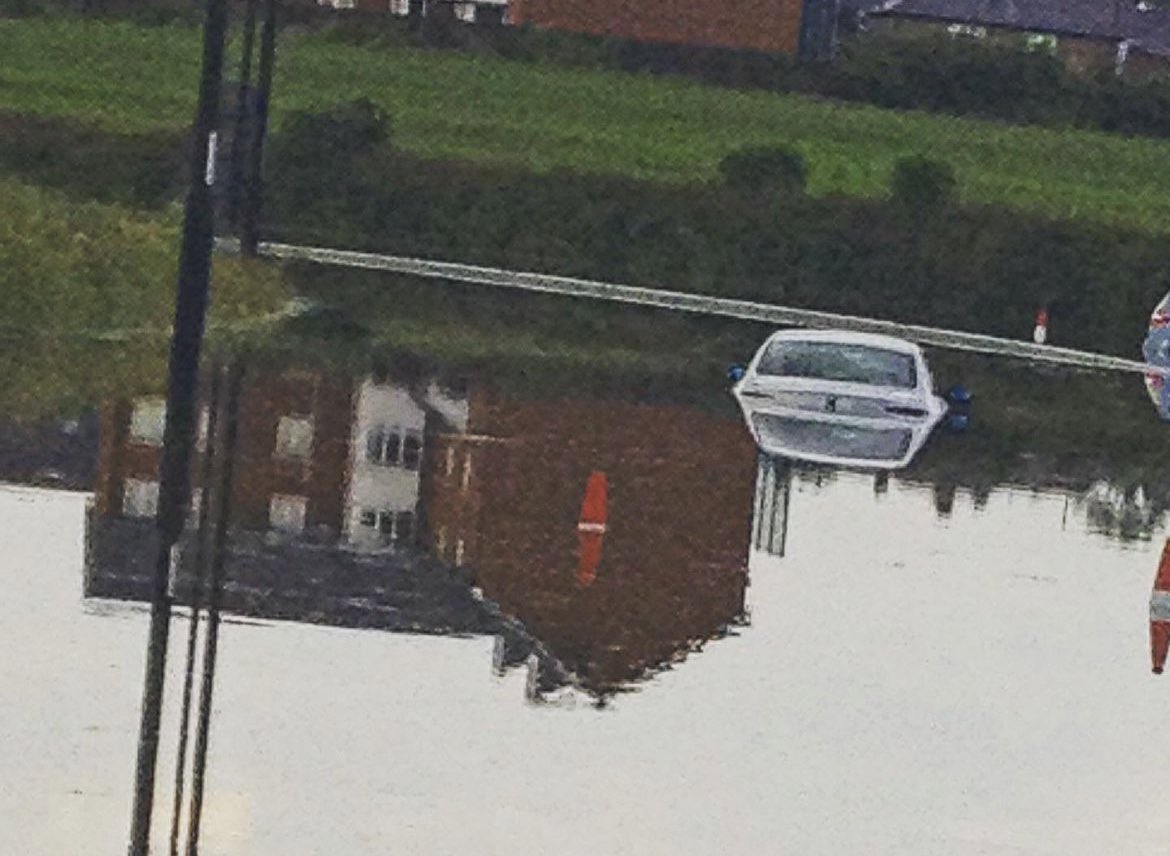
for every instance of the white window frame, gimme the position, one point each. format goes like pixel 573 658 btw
pixel 288 443
pixel 283 502
pixel 967 31
pixel 148 421
pixel 380 516
pixel 465 12
pixel 140 498
pixel 382 435
pixel 1041 43
pixel 465 477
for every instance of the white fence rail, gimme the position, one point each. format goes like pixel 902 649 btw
pixel 699 304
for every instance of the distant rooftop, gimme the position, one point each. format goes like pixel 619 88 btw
pixel 1140 22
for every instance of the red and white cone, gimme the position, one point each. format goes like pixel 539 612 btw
pixel 592 526
pixel 1040 333
pixel 1160 613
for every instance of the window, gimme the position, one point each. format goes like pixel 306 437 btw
pixel 1040 43
pixel 808 437
pixel 404 527
pixel 451 458
pixel 411 450
pixel 383 446
pixel 966 31
pixel 839 362
pixel 465 12
pixel 140 498
pixel 287 513
pixel 459 553
pixel 466 484
pixel 389 527
pixel 392 447
pixel 441 542
pixel 201 432
pixel 196 505
pixel 148 420
pixel 400 7
pixel 294 437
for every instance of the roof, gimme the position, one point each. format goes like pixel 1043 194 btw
pixel 1139 22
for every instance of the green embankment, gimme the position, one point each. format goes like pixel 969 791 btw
pixel 131 78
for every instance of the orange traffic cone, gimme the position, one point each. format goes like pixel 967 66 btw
pixel 1160 612
pixel 591 528
pixel 1040 333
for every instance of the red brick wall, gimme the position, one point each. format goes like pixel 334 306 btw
pixel 258 474
pixel 674 560
pixel 760 25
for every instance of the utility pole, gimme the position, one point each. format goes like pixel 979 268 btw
pixel 253 202
pixel 182 393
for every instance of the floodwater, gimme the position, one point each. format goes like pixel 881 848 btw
pixel 903 676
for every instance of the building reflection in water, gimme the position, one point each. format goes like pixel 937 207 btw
pixel 409 507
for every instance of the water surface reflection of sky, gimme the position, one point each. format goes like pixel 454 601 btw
pixel 907 684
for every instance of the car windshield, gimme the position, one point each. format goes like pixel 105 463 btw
pixel 831 439
pixel 839 362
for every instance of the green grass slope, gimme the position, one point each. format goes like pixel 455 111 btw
pixel 125 77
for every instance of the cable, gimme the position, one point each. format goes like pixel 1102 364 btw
pixel 193 627
pixel 214 586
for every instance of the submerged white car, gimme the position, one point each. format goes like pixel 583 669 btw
pixel 847 399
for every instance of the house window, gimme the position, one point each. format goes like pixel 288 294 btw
pixel 391 447
pixel 404 527
pixel 967 31
pixel 441 542
pixel 389 527
pixel 287 513
pixel 201 432
pixel 140 498
pixel 294 437
pixel 195 506
pixel 459 553
pixel 148 420
pixel 465 12
pixel 450 460
pixel 400 7
pixel 384 447
pixel 466 484
pixel 411 450
pixel 1040 43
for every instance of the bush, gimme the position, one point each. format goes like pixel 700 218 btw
pixel 764 170
pixel 920 184
pixel 316 155
pixel 345 131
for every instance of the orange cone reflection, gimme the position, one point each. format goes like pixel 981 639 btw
pixel 591 527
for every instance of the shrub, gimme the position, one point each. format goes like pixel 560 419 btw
pixel 315 154
pixel 921 184
pixel 764 170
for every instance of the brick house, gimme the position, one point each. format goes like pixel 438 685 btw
pixel 352 499
pixel 503 500
pixel 768 26
pixel 1090 36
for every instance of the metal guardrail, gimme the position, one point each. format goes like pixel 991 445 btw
pixel 698 304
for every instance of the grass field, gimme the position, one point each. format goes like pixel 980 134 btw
pixel 125 77
pixel 87 296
